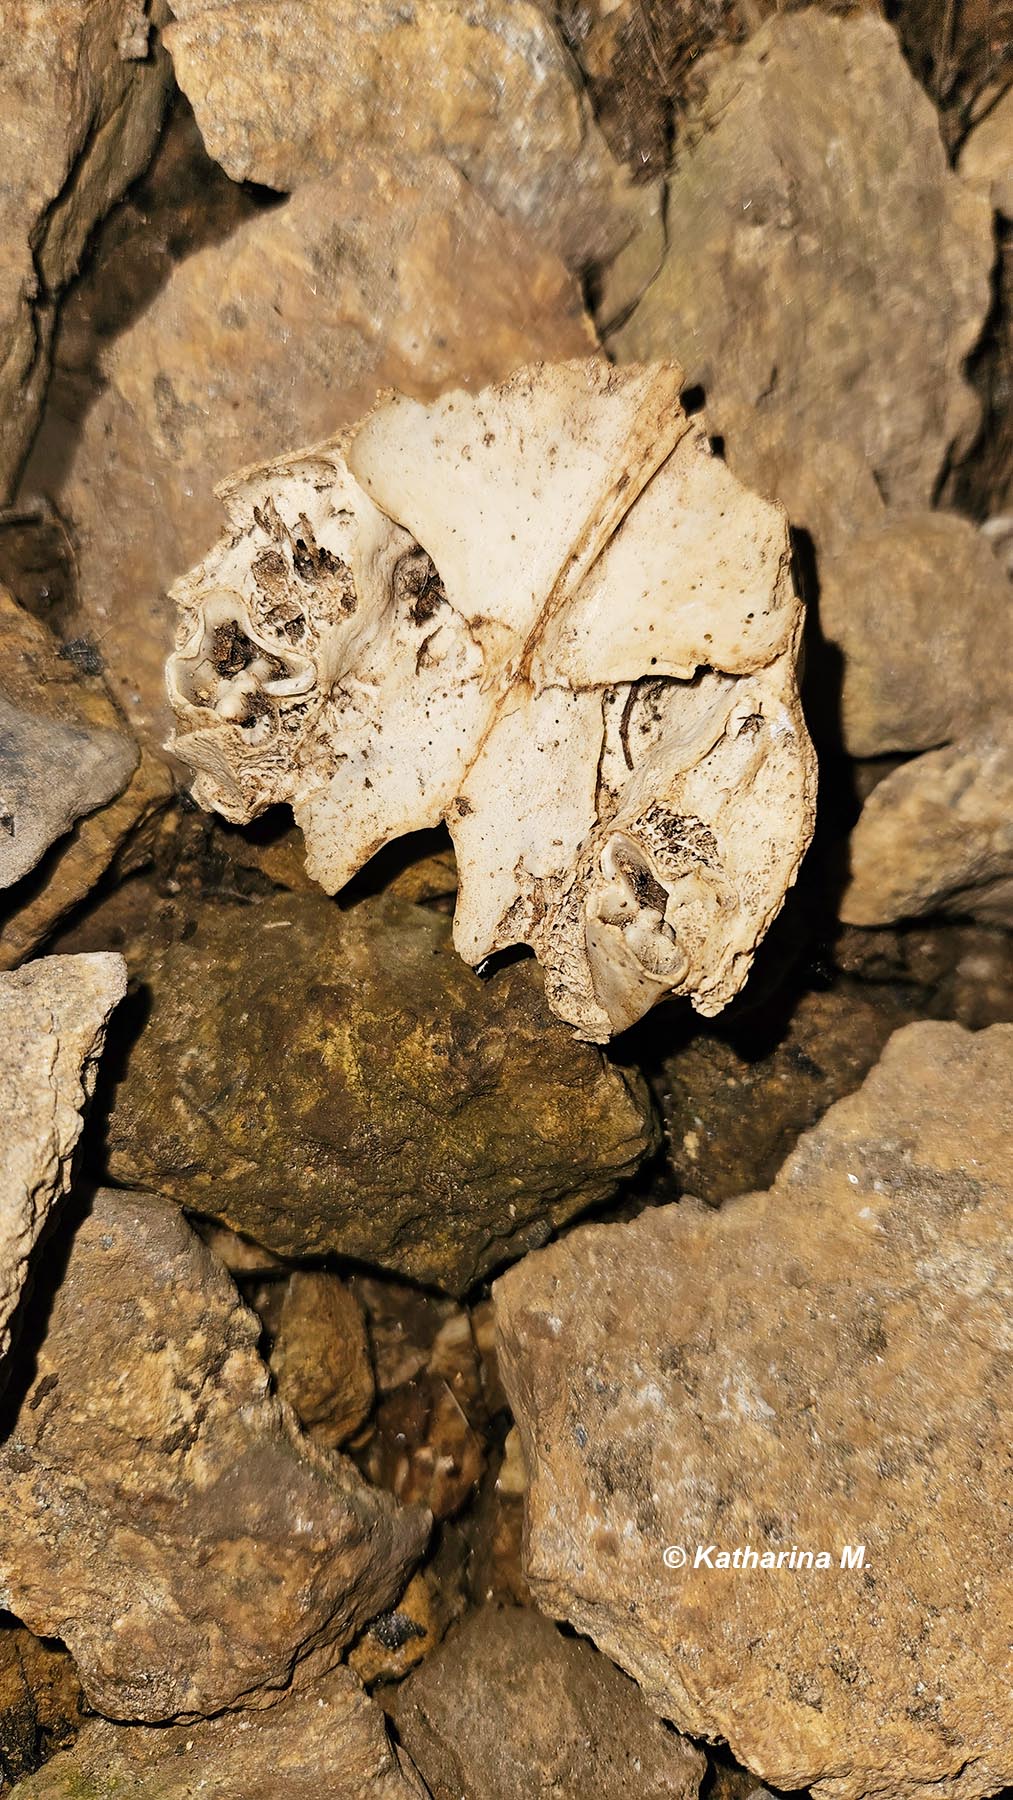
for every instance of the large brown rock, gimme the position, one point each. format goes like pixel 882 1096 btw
pixel 827 275
pixel 328 1081
pixel 391 273
pixel 821 1365
pixel 936 835
pixel 916 610
pixel 292 89
pixel 53 1017
pixel 561 1719
pixel 160 1511
pixel 327 1740
pixel 81 111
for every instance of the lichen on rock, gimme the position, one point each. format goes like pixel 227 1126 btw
pixel 547 615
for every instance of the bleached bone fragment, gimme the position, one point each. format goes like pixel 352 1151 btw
pixel 547 615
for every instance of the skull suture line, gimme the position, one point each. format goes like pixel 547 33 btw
pixel 546 614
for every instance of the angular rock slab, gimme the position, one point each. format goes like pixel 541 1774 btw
pixel 319 1743
pixel 820 1365
pixel 49 775
pixel 826 278
pixel 61 752
pixel 391 273
pixel 563 1720
pixel 53 1018
pixel 81 112
pixel 289 90
pixel 159 1510
pixel 328 1081
pixel 918 611
pixel 936 835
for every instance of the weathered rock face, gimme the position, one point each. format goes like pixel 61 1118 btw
pixel 735 1105
pixel 40 1701
pixel 159 1510
pixel 916 610
pixel 81 114
pixel 286 92
pixel 323 1740
pixel 825 280
pixel 507 1707
pixel 61 754
pixel 63 758
pixel 320 1359
pixel 936 835
pixel 49 775
pixel 77 862
pixel 986 159
pixel 820 1365
pixel 329 1081
pixel 280 336
pixel 547 616
pixel 53 1017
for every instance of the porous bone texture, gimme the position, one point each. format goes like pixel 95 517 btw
pixel 547 615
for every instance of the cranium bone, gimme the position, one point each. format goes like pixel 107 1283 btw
pixel 546 614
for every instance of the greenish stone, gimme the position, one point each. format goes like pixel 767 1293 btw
pixel 341 1081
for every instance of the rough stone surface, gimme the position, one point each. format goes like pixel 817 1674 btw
pixel 327 1740
pixel 40 1701
pixel 548 617
pixel 80 122
pixel 916 611
pixel 77 862
pixel 735 1104
pixel 507 1708
pixel 823 1364
pixel 285 92
pixel 320 1359
pixel 986 159
pixel 49 775
pixel 826 277
pixel 52 1027
pixel 936 835
pixel 61 754
pixel 160 1511
pixel 392 273
pixel 341 1081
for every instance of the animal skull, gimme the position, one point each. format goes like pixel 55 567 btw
pixel 546 614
